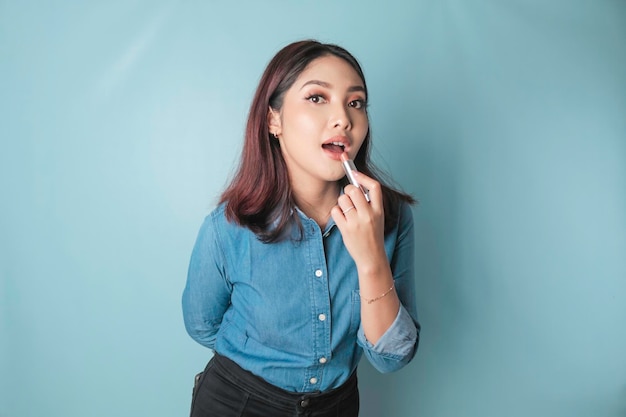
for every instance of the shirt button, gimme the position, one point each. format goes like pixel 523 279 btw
pixel 323 360
pixel 313 380
pixel 318 273
pixel 322 317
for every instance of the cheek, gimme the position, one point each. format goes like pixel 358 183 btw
pixel 363 128
pixel 303 122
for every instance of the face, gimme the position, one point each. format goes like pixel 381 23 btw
pixel 323 115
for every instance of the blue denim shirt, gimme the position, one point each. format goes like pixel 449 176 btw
pixel 289 311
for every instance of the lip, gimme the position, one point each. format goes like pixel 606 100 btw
pixel 339 139
pixel 332 155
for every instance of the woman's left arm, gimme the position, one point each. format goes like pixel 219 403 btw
pixel 389 330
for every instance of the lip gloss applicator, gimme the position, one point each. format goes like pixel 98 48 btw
pixel 350 168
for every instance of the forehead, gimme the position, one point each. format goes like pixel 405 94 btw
pixel 331 69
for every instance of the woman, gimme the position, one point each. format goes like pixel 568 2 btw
pixel 295 274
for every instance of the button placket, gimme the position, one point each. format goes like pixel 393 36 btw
pixel 321 310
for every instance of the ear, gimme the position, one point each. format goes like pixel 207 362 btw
pixel 273 122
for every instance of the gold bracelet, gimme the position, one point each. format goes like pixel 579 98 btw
pixel 371 300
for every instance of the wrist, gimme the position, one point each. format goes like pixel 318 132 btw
pixel 373 265
pixel 378 297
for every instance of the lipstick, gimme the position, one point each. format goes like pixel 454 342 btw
pixel 350 168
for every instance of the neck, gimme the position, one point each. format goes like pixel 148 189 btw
pixel 317 203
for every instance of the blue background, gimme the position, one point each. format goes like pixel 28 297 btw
pixel 121 122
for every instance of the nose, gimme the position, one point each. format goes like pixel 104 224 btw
pixel 340 117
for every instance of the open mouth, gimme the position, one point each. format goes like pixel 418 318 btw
pixel 335 147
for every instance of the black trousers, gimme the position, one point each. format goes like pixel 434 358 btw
pixel 224 389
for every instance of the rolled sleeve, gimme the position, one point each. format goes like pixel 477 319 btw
pixel 396 347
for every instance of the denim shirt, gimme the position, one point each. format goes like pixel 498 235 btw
pixel 289 311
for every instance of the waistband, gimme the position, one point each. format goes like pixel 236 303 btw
pixel 258 386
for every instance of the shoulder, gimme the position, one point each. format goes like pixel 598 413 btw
pixel 405 213
pixel 401 214
pixel 218 214
pixel 218 223
pixel 220 238
pixel 404 222
pixel 208 235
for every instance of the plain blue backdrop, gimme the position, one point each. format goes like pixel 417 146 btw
pixel 121 121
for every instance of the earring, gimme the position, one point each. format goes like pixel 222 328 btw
pixel 275 135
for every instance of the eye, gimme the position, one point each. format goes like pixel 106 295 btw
pixel 316 98
pixel 357 104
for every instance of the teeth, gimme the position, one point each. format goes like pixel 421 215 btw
pixel 338 144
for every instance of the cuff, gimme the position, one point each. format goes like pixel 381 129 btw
pixel 399 339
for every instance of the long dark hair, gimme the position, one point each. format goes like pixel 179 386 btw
pixel 260 196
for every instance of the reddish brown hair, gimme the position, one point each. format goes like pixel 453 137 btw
pixel 260 196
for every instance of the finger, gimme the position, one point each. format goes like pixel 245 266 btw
pixel 374 189
pixel 356 196
pixel 337 214
pixel 344 201
pixel 346 211
pixel 346 204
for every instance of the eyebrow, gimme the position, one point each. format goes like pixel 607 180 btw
pixel 328 85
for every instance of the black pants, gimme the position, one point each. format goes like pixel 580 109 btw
pixel 226 390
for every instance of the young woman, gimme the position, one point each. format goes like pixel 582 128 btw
pixel 296 274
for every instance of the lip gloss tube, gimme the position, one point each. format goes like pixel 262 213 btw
pixel 350 168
